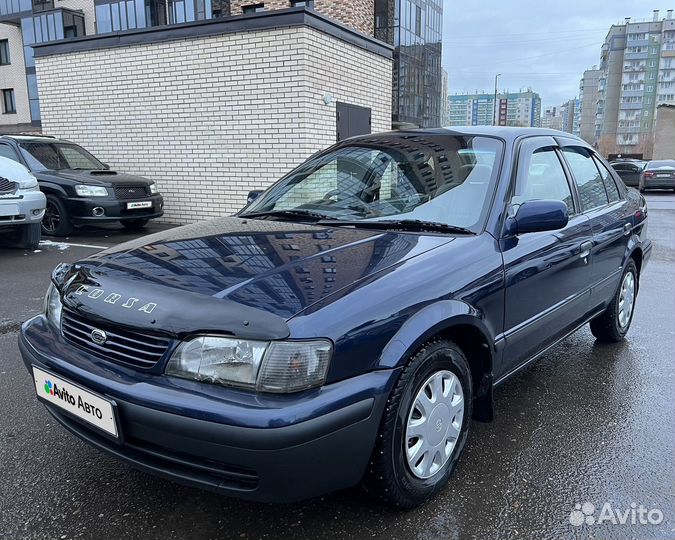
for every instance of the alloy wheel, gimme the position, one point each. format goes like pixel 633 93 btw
pixel 52 218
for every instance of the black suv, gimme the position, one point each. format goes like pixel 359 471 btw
pixel 81 190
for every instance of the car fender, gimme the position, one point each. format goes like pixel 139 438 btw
pixel 426 323
pixel 49 188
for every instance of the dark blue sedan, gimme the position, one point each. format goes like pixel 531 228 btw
pixel 348 324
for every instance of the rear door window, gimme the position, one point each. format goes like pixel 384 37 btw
pixel 610 186
pixel 589 182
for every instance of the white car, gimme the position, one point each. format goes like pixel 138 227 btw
pixel 22 204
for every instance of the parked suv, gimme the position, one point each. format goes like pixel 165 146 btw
pixel 350 322
pixel 22 205
pixel 81 190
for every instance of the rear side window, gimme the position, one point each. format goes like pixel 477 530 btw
pixel 541 176
pixel 586 175
pixel 8 152
pixel 610 185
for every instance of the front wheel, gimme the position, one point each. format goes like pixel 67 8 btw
pixel 134 224
pixel 56 221
pixel 424 428
pixel 613 324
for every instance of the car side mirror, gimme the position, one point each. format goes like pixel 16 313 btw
pixel 253 195
pixel 538 216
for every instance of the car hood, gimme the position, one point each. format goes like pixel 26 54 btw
pixel 95 177
pixel 204 276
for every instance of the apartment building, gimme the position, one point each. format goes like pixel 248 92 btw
pixel 24 23
pixel 588 99
pixel 511 109
pixel 637 75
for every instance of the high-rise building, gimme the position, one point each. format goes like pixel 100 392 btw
pixel 638 74
pixel 588 99
pixel 415 29
pixel 444 98
pixel 512 109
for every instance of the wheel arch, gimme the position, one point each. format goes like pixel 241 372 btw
pixel 48 188
pixel 459 322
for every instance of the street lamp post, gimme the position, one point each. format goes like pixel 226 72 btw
pixel 494 108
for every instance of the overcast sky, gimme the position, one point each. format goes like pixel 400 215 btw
pixel 541 44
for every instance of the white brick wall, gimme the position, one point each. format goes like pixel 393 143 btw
pixel 14 76
pixel 211 118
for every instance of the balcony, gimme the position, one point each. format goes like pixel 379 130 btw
pixel 630 106
pixel 628 67
pixel 636 56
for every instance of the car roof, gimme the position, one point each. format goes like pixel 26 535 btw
pixel 30 137
pixel 507 133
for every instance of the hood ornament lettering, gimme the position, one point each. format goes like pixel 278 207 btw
pixel 115 298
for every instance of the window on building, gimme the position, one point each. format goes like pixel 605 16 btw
pixel 253 8
pixel 309 4
pixel 588 179
pixel 4 52
pixel 43 5
pixel 8 104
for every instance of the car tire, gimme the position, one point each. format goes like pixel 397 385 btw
pixel 56 221
pixel 134 224
pixel 613 324
pixel 391 474
pixel 29 236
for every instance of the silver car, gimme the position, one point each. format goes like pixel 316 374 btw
pixel 22 204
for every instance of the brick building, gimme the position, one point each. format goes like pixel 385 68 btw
pixel 213 109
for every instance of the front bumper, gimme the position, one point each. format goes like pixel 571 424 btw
pixel 23 207
pixel 82 210
pixel 264 448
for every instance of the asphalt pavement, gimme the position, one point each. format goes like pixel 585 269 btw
pixel 588 423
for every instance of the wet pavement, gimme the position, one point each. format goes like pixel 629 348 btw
pixel 588 423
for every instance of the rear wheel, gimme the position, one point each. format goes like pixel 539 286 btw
pixel 134 224
pixel 613 324
pixel 29 236
pixel 424 428
pixel 56 221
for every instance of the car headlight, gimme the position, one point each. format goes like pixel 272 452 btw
pixel 53 306
pixel 91 191
pixel 278 366
pixel 154 189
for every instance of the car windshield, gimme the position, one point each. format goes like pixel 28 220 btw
pixel 56 156
pixel 663 164
pixel 442 179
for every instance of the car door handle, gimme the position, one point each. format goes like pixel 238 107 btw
pixel 627 229
pixel 586 249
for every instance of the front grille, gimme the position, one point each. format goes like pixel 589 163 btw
pixel 122 346
pixel 131 192
pixel 6 186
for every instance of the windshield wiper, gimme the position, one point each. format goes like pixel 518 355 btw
pixel 416 225
pixel 305 214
